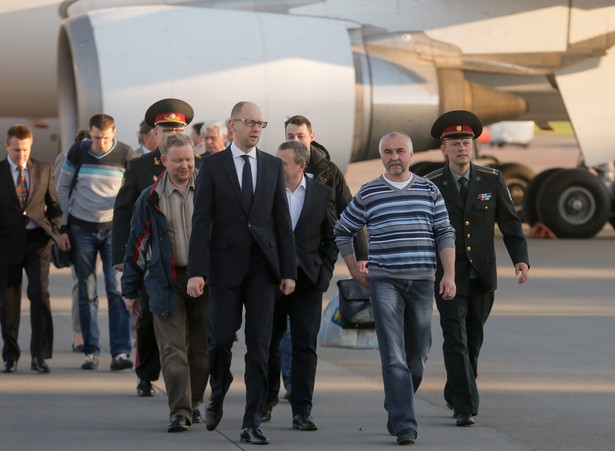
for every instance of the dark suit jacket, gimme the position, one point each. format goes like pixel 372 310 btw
pixel 141 172
pixel 223 231
pixel 316 248
pixel 488 203
pixel 42 206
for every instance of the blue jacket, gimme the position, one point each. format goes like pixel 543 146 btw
pixel 148 260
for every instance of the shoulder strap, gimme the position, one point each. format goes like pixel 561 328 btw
pixel 86 144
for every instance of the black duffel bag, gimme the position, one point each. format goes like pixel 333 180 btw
pixel 356 309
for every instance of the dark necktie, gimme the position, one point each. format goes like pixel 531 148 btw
pixel 21 187
pixel 464 188
pixel 246 181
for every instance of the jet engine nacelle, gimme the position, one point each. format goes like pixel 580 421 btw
pixel 354 86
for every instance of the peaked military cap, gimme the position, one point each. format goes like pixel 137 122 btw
pixel 174 112
pixel 457 124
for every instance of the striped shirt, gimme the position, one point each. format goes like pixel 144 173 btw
pixel 98 182
pixel 406 227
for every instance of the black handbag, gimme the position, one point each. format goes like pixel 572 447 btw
pixel 356 309
pixel 60 259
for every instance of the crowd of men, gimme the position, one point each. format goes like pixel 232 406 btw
pixel 267 231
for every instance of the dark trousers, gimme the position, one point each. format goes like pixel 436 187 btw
pixel 303 307
pixel 257 293
pixel 147 363
pixel 462 321
pixel 36 265
pixel 182 340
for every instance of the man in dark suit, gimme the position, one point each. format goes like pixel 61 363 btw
pixel 476 199
pixel 164 117
pixel 29 218
pixel 242 245
pixel 312 216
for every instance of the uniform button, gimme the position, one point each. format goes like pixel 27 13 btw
pixel 467 223
pixel 468 235
pixel 486 207
pixel 469 248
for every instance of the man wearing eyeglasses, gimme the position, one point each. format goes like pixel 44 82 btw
pixel 165 116
pixel 242 247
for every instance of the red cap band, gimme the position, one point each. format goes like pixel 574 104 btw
pixel 457 130
pixel 170 117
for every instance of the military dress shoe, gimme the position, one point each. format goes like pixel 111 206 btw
pixel 213 414
pixel 196 416
pixel 179 423
pixel 304 422
pixel 406 436
pixel 254 436
pixel 10 366
pixel 145 389
pixel 39 365
pixel 464 419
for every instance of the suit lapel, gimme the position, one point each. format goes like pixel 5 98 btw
pixel 231 172
pixel 307 202
pixel 8 182
pixel 473 187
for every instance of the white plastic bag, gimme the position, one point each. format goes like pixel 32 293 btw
pixel 332 335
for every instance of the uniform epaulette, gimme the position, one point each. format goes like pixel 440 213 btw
pixel 434 174
pixel 487 170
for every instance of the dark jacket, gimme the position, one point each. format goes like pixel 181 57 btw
pixel 42 207
pixel 223 230
pixel 327 172
pixel 488 203
pixel 316 248
pixel 140 173
pixel 148 253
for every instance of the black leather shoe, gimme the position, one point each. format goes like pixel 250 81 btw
pixel 179 423
pixel 10 366
pixel 213 414
pixel 464 419
pixel 304 422
pixel 39 365
pixel 145 389
pixel 254 436
pixel 196 416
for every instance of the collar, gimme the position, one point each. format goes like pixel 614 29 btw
pixel 302 184
pixel 237 152
pixel 14 166
pixel 456 176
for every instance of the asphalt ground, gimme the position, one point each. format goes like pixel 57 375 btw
pixel 546 377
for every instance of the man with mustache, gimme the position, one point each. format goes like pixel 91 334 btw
pixel 408 226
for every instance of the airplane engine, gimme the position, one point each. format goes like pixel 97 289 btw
pixel 120 61
pixel 354 84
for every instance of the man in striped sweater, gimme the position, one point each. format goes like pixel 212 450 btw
pixel 89 182
pixel 407 224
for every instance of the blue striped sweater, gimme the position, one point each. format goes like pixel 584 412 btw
pixel 406 228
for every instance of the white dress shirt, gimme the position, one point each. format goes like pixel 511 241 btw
pixel 295 201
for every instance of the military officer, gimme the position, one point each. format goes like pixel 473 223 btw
pixel 476 198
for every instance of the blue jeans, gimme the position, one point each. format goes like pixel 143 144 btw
pixel 86 245
pixel 402 313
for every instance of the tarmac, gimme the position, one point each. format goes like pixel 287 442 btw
pixel 546 377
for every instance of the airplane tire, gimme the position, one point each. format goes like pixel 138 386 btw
pixel 574 204
pixel 530 210
pixel 517 177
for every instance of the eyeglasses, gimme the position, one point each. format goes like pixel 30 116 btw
pixel 250 123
